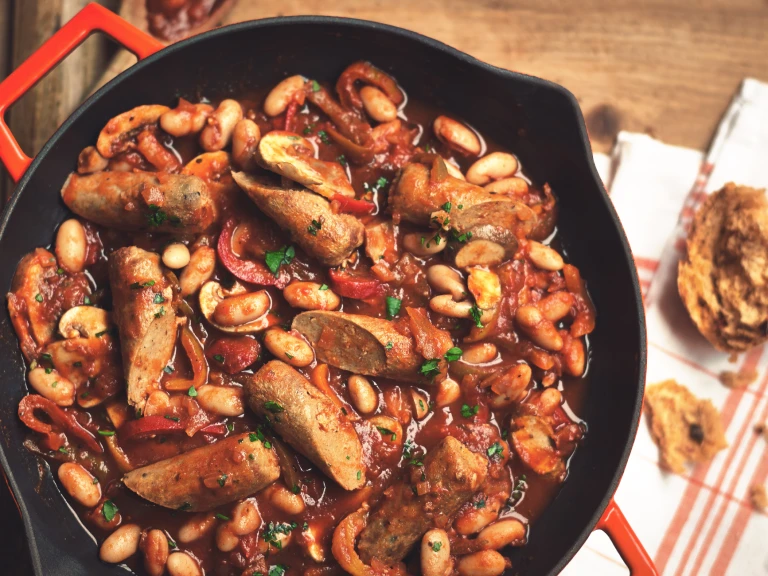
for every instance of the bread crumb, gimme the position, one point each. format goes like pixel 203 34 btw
pixel 738 379
pixel 723 281
pixel 759 497
pixel 685 428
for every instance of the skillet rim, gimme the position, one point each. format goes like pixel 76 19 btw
pixel 585 154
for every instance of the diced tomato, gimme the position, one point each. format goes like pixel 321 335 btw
pixel 149 426
pixel 352 205
pixel 354 286
pixel 233 354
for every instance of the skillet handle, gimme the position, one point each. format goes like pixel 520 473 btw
pixel 90 19
pixel 615 525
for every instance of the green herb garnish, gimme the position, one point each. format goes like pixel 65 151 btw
pixel 393 306
pixel 279 257
pixel 109 510
pixel 453 354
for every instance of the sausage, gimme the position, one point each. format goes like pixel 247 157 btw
pixel 309 421
pixel 141 201
pixel 207 477
pixel 359 344
pixel 453 474
pixel 415 195
pixel 329 237
pixel 142 310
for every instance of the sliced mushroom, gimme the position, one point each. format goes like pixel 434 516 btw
pixel 84 322
pixel 212 293
pixel 321 233
pixel 292 156
pixel 116 136
pixel 499 222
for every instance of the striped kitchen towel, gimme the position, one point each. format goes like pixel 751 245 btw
pixel 701 523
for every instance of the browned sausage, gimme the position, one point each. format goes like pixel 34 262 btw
pixel 360 344
pixel 141 296
pixel 329 237
pixel 141 201
pixel 452 473
pixel 307 419
pixel 415 196
pixel 206 477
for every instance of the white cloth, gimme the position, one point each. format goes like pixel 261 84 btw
pixel 701 523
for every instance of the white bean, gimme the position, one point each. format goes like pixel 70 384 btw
pixel 457 136
pixel 79 483
pixel 226 539
pixel 245 142
pixel 481 353
pixel 155 547
pixel 549 401
pixel 121 544
pixel 453 170
pixel 281 95
pixel 196 528
pixel 503 533
pixel 90 161
pixel 538 328
pixel 480 253
pixel 285 500
pixel 544 257
pixel 514 186
pixel 182 564
pixel 485 563
pixel 444 279
pixel 422 245
pixel 176 256
pixel 435 553
pixel 241 309
pixel 474 520
pixel 220 125
pixel 198 271
pixel 288 347
pixel 448 391
pixel 71 246
pixel 364 397
pixel 445 305
pixel 52 385
pixel 556 306
pixel 377 104
pixel 222 400
pixel 494 166
pixel 311 296
pixel 185 119
pixel 245 517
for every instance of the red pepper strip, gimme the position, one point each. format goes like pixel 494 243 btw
pixel 357 287
pixel 64 420
pixel 354 152
pixel 352 205
pixel 348 122
pixel 290 115
pixel 246 270
pixel 196 355
pixel 217 429
pixel 148 426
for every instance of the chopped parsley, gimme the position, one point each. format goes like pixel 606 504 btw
pixel 314 227
pixel 231 426
pixel 39 297
pixel 453 354
pixel 274 529
pixel 100 334
pixel 221 516
pixel 147 284
pixel 323 135
pixel 289 356
pixel 454 236
pixel 495 451
pixel 315 86
pixel 276 570
pixel 341 159
pixel 381 182
pixel 192 392
pixel 54 384
pixel 273 407
pixel 107 432
pixel 305 527
pixel 171 543
pixel 60 271
pixel 109 510
pixel 258 436
pixel 324 287
pixel 222 480
pixel 168 370
pixel 174 418
pixel 185 506
pixel 296 489
pixel 78 364
pixel 63 450
pixel 48 370
pixel 46 356
pixel 359 474
pixel 411 456
pixel 156 216
pixel 480 504
pixel 387 432
pixel 218 358
pixel 160 313
pixel 468 411
pixel 388 346
pixel 429 368
pixel 158 298
pixel 279 257
pixel 476 315
pixel 447 206
pixel 393 306
pixel 87 301
pixel 436 546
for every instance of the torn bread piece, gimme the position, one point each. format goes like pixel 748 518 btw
pixel 685 428
pixel 759 497
pixel 723 281
pixel 733 379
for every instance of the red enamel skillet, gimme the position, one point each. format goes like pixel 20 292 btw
pixel 540 120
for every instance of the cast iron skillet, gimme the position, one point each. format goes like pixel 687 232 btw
pixel 539 120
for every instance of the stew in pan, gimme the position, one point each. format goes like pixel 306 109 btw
pixel 313 331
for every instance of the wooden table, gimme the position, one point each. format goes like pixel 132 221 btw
pixel 666 67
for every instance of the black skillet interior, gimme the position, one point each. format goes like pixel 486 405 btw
pixel 538 120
